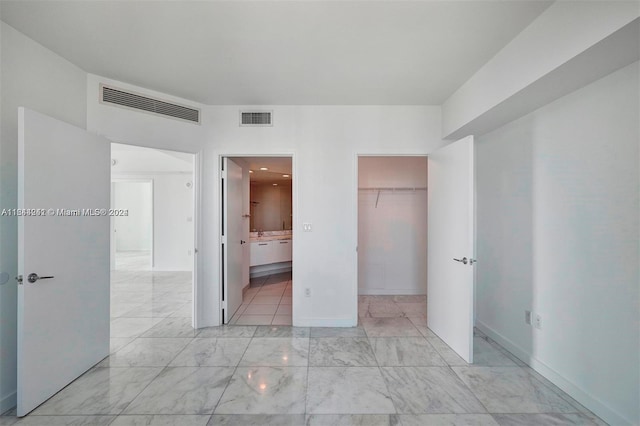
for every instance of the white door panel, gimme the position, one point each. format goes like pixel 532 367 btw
pixel 451 236
pixel 63 322
pixel 233 222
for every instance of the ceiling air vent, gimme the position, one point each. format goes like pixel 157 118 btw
pixel 110 95
pixel 256 118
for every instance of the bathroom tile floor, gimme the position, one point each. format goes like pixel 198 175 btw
pixel 266 302
pixel 386 371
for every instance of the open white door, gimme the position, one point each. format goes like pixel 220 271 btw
pixel 63 311
pixel 451 228
pixel 232 222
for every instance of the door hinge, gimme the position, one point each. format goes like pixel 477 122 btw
pixel 223 173
pixel 195 251
pixel 224 239
pixel 19 279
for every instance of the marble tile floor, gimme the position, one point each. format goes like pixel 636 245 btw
pixel 267 301
pixel 390 370
pixel 133 260
pixel 378 373
pixel 150 304
pixel 409 306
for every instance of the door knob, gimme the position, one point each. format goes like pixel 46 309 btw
pixel 33 277
pixel 463 260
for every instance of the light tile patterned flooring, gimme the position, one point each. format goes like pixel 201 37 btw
pixel 387 371
pixel 266 302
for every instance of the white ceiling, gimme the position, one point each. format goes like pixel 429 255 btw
pixel 280 52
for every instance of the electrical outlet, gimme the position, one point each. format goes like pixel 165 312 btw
pixel 307 292
pixel 527 317
pixel 306 227
pixel 538 322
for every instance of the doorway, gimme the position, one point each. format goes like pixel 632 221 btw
pixel 152 244
pixel 257 230
pixel 392 240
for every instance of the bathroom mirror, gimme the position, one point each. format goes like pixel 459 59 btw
pixel 270 197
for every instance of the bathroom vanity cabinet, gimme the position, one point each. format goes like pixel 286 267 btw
pixel 266 252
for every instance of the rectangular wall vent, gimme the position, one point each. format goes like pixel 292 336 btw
pixel 256 118
pixel 110 95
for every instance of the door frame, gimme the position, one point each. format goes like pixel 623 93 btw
pixel 356 212
pixel 294 222
pixel 153 230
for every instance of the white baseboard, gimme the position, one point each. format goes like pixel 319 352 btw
pixel 325 322
pixel 8 402
pixel 274 268
pixel 590 402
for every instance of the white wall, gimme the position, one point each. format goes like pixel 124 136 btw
pixel 172 222
pixel 571 27
pixel 392 235
pixel 558 232
pixel 134 232
pixel 324 141
pixel 33 77
pixel 392 172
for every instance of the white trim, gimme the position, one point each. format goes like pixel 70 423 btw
pixel 197 233
pixel 589 401
pixel 274 268
pixel 8 401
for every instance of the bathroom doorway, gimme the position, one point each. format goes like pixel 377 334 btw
pixel 392 240
pixel 257 229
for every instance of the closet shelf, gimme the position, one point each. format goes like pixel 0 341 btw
pixel 394 189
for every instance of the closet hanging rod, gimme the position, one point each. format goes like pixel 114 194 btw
pixel 408 188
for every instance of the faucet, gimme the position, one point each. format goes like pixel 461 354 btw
pixel 260 233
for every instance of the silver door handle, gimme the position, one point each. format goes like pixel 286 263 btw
pixel 33 277
pixel 463 260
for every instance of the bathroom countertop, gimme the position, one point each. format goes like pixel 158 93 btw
pixel 270 238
